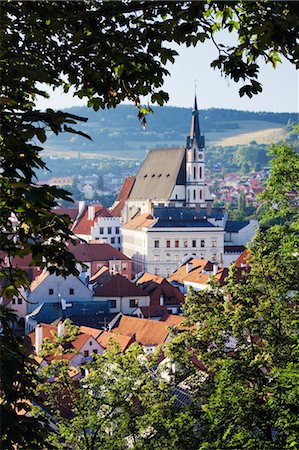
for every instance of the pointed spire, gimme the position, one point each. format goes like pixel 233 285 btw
pixel 195 128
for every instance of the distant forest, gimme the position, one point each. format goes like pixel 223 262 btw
pixel 118 129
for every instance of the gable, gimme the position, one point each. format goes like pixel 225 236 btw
pixel 158 174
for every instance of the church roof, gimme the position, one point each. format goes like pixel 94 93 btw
pixel 158 175
pixel 195 128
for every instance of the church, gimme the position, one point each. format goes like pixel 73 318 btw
pixel 173 177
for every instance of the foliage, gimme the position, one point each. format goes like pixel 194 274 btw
pixel 248 336
pixel 17 386
pixel 108 52
pixel 120 403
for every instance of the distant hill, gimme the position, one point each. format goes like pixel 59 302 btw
pixel 117 131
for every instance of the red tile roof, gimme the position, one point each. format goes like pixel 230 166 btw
pixel 105 338
pixel 83 224
pixel 71 212
pixel 242 260
pixel 122 196
pixel 88 252
pixel 119 286
pixel 145 331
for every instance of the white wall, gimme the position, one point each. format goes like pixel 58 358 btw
pixel 123 303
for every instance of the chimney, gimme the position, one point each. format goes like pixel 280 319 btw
pixel 215 269
pixel 189 266
pixel 60 329
pixel 38 338
pixel 91 212
pixel 81 207
pixel 161 300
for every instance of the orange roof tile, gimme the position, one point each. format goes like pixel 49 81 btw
pixel 91 331
pixel 196 266
pixel 123 341
pixel 145 331
pixel 139 222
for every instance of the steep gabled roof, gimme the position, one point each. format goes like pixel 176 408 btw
pixel 122 196
pixel 101 276
pixel 158 175
pixel 119 286
pixel 88 252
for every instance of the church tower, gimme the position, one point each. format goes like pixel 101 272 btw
pixel 195 166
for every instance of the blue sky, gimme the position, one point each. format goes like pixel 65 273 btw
pixel 280 86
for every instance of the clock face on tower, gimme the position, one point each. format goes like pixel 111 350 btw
pixel 199 155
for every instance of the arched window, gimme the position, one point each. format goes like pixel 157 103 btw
pixel 194 173
pixel 194 194
pixel 194 155
pixel 200 194
pixel 200 172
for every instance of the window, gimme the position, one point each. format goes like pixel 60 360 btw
pixel 202 243
pixel 86 353
pixel 95 351
pixel 118 240
pixel 168 244
pixel 194 243
pixel 19 301
pixel 156 257
pixel 176 257
pixel 168 272
pixel 156 244
pixel 157 271
pixel 112 304
pixel 214 243
pixel 167 256
pixel 109 230
pixel 133 303
pixel 200 194
pixel 116 230
pixel 200 172
pixel 13 301
pixel 194 173
pixel 112 240
pixel 214 257
pixel 194 154
pixel 51 291
pixel 90 342
pixel 176 244
pixel 185 244
pixel 101 230
pixel 72 291
pixel 194 194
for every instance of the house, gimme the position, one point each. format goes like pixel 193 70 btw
pixel 197 273
pixel 162 294
pixel 237 234
pixel 96 255
pixel 81 349
pixel 171 176
pixel 121 294
pixel 158 243
pixel 50 288
pixel 146 332
pixel 94 222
